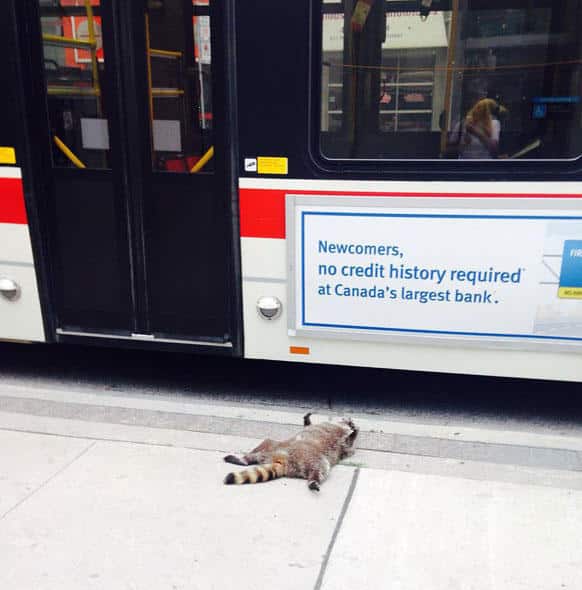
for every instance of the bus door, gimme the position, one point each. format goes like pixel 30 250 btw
pixel 133 146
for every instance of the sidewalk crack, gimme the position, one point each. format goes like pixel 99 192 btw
pixel 47 481
pixel 338 526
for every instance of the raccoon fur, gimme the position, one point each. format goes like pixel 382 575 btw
pixel 309 455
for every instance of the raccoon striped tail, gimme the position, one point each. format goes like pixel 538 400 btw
pixel 257 474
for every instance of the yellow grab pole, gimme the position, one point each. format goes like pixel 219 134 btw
pixel 165 53
pixel 69 153
pixel 149 65
pixel 92 41
pixel 60 40
pixel 203 161
pixel 449 79
pixel 150 91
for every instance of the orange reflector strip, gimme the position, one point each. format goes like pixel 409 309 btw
pixel 299 349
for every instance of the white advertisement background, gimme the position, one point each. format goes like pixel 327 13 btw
pixel 442 243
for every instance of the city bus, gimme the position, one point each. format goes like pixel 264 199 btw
pixel 376 183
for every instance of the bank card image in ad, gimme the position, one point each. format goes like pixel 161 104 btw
pixel 559 296
pixel 571 272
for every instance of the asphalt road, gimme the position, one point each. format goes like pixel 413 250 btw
pixel 426 397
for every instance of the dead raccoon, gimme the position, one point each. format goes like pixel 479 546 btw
pixel 310 454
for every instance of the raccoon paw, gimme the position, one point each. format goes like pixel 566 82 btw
pixel 234 460
pixel 313 486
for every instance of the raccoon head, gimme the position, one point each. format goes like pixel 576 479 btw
pixel 348 446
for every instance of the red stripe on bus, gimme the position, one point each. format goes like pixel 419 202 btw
pixel 262 211
pixel 12 209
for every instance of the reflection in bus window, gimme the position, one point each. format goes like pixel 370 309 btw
pixel 398 85
pixel 179 78
pixel 74 71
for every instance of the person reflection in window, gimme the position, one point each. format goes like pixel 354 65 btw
pixel 481 129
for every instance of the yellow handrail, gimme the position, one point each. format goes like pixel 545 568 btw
pixel 58 40
pixel 69 153
pixel 72 91
pixel 165 53
pixel 92 40
pixel 167 92
pixel 91 47
pixel 449 78
pixel 150 84
pixel 203 161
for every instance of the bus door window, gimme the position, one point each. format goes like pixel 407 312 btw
pixel 74 66
pixel 179 85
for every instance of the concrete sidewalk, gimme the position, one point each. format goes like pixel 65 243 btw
pixel 104 504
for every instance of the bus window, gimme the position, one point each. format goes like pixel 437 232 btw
pixel 488 80
pixel 179 78
pixel 74 65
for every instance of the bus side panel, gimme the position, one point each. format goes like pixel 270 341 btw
pixel 20 309
pixel 278 66
pixel 270 269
